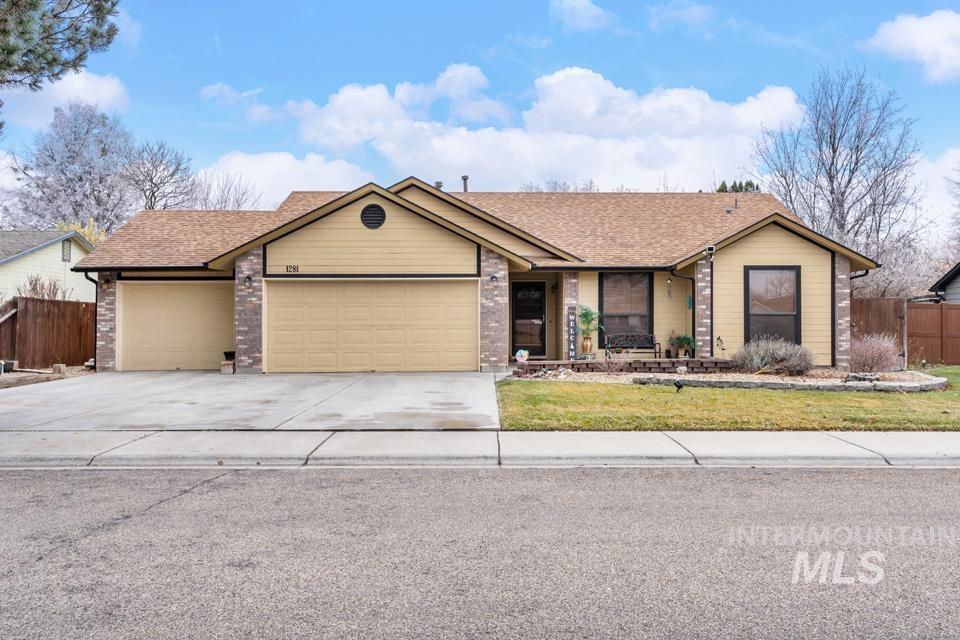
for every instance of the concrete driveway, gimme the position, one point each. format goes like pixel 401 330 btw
pixel 202 400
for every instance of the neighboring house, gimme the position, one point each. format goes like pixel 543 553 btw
pixel 412 278
pixel 48 254
pixel 948 287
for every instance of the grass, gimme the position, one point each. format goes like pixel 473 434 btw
pixel 581 406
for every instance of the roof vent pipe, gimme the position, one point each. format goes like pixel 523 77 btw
pixel 438 184
pixel 465 179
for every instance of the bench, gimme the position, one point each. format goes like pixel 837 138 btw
pixel 632 342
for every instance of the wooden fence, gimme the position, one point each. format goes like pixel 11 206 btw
pixel 46 332
pixel 926 331
pixel 881 315
pixel 934 332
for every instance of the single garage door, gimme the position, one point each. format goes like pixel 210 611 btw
pixel 409 325
pixel 174 325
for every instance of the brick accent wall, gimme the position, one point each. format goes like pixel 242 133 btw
pixel 704 302
pixel 570 290
pixel 248 311
pixel 841 283
pixel 106 348
pixel 494 311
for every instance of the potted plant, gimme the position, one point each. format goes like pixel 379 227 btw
pixel 683 345
pixel 589 324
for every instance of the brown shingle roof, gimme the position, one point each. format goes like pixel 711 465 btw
pixel 300 202
pixel 603 229
pixel 190 238
pixel 628 229
pixel 179 238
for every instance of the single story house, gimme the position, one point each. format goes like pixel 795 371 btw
pixel 948 287
pixel 413 278
pixel 48 254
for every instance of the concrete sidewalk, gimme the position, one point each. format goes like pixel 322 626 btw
pixel 476 448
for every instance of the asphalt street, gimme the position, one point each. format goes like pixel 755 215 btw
pixel 496 553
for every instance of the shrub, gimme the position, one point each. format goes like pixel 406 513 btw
pixel 37 287
pixel 774 355
pixel 873 353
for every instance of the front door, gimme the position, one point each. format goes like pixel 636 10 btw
pixel 529 305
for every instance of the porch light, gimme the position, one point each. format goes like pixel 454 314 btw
pixel 494 278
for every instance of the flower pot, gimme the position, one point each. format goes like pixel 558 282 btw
pixel 586 344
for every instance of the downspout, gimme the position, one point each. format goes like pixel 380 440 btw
pixel 693 296
pixel 96 313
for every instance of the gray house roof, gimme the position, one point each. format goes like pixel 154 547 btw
pixel 16 243
pixel 947 278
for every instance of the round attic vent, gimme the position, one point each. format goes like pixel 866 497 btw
pixel 373 216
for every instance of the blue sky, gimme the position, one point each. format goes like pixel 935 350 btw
pixel 299 94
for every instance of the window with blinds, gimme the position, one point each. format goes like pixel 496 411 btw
pixel 626 302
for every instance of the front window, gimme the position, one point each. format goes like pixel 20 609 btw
pixel 773 303
pixel 626 303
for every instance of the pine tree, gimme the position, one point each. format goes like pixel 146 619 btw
pixel 723 187
pixel 43 40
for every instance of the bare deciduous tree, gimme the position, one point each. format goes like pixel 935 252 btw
pixel 161 176
pixel 953 240
pixel 848 170
pixel 73 172
pixel 224 191
pixel 584 185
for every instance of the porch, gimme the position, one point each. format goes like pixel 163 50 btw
pixel 544 308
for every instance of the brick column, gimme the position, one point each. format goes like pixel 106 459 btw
pixel 106 347
pixel 570 292
pixel 841 283
pixel 704 301
pixel 494 311
pixel 248 311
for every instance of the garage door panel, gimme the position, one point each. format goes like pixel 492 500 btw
pixel 322 337
pixel 174 325
pixel 321 313
pixel 399 325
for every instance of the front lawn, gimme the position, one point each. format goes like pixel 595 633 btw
pixel 576 406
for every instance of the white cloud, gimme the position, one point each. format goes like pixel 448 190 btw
pixel 34 110
pixel 932 173
pixel 129 30
pixel 933 41
pixel 275 174
pixel 688 15
pixel 224 94
pixel 580 15
pixel 357 114
pixel 579 125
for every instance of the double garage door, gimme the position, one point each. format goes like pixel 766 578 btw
pixel 377 325
pixel 395 325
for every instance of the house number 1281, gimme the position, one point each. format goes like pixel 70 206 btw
pixel 293 268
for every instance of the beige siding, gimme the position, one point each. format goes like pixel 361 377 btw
pixel 474 224
pixel 590 296
pixel 400 325
pixel 671 310
pixel 47 263
pixel 340 244
pixel 174 325
pixel 552 286
pixel 773 245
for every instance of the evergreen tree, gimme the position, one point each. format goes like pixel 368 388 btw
pixel 723 187
pixel 43 40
